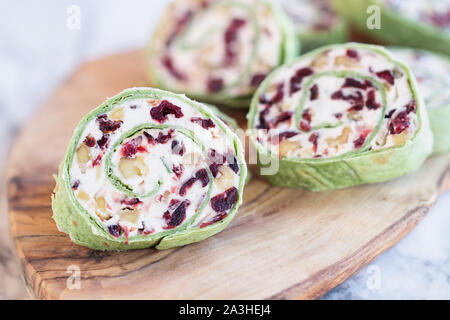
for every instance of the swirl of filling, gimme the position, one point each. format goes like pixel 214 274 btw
pixel 432 72
pixel 217 49
pixel 336 102
pixel 148 164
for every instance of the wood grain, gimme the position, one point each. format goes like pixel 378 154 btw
pixel 283 243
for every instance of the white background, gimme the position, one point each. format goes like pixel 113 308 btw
pixel 38 51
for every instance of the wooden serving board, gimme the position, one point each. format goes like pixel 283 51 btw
pixel 282 244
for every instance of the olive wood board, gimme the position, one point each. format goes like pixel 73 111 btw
pixel 283 243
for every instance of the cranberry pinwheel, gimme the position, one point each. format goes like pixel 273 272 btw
pixel 432 72
pixel 149 168
pixel 340 116
pixel 219 51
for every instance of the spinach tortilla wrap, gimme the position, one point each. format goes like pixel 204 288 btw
pixel 148 168
pixel 315 23
pixel 340 116
pixel 219 51
pixel 432 72
pixel 414 23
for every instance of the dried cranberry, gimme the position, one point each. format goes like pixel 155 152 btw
pixel 164 138
pixel 115 230
pixel 76 184
pixel 104 141
pixel 306 115
pixel 411 106
pixel 314 92
pixel 387 76
pixel 257 79
pixel 90 141
pixel 179 26
pixel 129 149
pixel 149 137
pixel 131 202
pixel 371 102
pixel 399 123
pixel 338 115
pixel 178 170
pixel 351 53
pixel 106 125
pixel 164 109
pixel 283 117
pixel 177 217
pixel 178 148
pixel 279 94
pixel 230 37
pixel 286 135
pixel 217 218
pixel 359 142
pixel 97 161
pixel 168 64
pixel 214 85
pixel 205 123
pixel 234 165
pixel 225 200
pixel 202 176
pixel 313 138
pixel 187 185
pixel 297 78
pixel 305 126
pixel 214 168
pixel 353 83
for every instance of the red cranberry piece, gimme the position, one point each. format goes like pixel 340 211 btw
pixel 387 76
pixel 106 125
pixel 359 142
pixel 353 83
pixel 177 148
pixel 286 135
pixel 399 123
pixel 305 126
pixel 76 184
pixel 234 165
pixel 202 176
pixel 351 53
pixel 179 26
pixel 115 230
pixel 371 102
pixel 225 200
pixel 178 170
pixel 149 137
pixel 178 215
pixel 168 64
pixel 214 168
pixel 411 106
pixel 129 149
pixel 97 161
pixel 230 38
pixel 279 94
pixel 314 92
pixel 131 202
pixel 164 138
pixel 214 85
pixel 90 141
pixel 297 78
pixel 283 117
pixel 338 115
pixel 217 218
pixel 187 185
pixel 104 141
pixel 313 138
pixel 257 79
pixel 205 123
pixel 164 109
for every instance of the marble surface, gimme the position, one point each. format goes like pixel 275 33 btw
pixel 41 43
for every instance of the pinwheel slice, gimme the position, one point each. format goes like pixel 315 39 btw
pixel 148 168
pixel 315 22
pixel 219 51
pixel 432 72
pixel 340 116
pixel 414 23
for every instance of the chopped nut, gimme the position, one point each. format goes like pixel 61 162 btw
pixel 83 196
pixel 132 167
pixel 117 114
pixel 101 211
pixel 354 115
pixel 226 178
pixel 83 155
pixel 287 146
pixel 341 139
pixel 130 215
pixel 320 61
pixel 400 139
pixel 344 61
